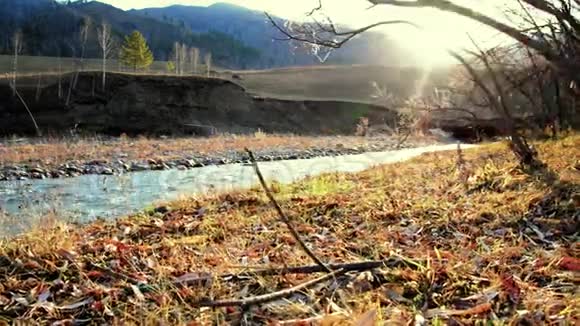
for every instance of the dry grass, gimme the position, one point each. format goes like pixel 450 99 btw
pixel 501 249
pixel 57 151
pixel 351 83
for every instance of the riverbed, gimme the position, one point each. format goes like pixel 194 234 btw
pixel 88 197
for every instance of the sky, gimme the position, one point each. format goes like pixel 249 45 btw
pixel 442 29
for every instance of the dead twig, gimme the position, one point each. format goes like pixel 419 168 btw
pixel 283 216
pixel 307 269
pixel 270 296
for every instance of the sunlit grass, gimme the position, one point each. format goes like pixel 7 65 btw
pixel 499 249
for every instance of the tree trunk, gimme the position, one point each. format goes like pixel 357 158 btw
pixel 104 81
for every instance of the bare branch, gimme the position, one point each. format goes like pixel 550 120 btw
pixel 38 132
pixel 307 269
pixel 314 10
pixel 270 296
pixel 283 216
pixel 565 66
pixel 331 29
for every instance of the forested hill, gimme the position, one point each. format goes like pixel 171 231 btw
pixel 236 36
pixel 52 29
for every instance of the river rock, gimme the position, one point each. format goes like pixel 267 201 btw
pixel 36 175
pixel 37 170
pixel 107 171
pixel 73 168
pixel 162 209
pixel 139 167
pixel 98 162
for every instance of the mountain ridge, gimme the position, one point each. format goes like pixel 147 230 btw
pixel 238 37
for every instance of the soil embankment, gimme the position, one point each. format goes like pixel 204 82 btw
pixel 154 105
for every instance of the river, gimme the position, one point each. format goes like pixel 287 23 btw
pixel 88 197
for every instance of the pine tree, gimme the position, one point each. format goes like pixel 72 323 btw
pixel 135 52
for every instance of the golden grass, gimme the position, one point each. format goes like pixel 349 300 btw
pixel 500 249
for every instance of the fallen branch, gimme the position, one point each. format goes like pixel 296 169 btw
pixel 270 296
pixel 308 269
pixel 283 216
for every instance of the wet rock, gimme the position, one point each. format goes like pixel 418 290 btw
pixel 107 171
pixel 162 209
pixel 187 163
pixel 36 175
pixel 37 170
pixel 98 162
pixel 73 169
pixel 139 167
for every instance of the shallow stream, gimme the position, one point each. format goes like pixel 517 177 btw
pixel 87 197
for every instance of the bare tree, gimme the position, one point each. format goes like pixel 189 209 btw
pixel 17 48
pixel 500 102
pixel 106 44
pixel 321 31
pixel 79 63
pixel 183 52
pixel 83 38
pixel 59 75
pixel 176 55
pixel 194 59
pixel 207 61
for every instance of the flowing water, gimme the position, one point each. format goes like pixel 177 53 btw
pixel 88 197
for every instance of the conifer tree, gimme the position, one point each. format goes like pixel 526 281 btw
pixel 135 52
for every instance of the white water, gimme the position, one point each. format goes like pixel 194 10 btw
pixel 90 196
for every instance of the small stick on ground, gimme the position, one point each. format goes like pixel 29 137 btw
pixel 307 269
pixel 270 296
pixel 283 216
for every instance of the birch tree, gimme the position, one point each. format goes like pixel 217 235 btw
pixel 194 59
pixel 17 47
pixel 177 57
pixel 183 55
pixel 106 45
pixel 207 60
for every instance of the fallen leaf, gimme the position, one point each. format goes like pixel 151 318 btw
pixel 570 263
pixel 510 286
pixel 76 305
pixel 368 319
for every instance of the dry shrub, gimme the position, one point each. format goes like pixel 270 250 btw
pixel 362 127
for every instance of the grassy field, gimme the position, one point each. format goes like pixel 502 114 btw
pixel 30 65
pixel 327 82
pixel 479 242
pixel 347 83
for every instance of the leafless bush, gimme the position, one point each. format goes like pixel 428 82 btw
pixel 362 127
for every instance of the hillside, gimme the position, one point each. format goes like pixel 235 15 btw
pixel 237 37
pixel 252 28
pixel 52 29
pixel 339 82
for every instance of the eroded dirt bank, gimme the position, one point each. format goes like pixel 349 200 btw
pixel 153 105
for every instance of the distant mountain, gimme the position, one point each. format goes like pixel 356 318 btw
pixel 252 28
pixel 52 29
pixel 237 37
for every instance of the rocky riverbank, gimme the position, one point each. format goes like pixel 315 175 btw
pixel 120 162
